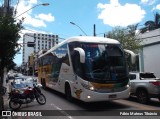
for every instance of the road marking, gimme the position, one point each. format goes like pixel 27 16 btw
pixel 63 112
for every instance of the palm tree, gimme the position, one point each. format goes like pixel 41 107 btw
pixel 132 29
pixel 152 25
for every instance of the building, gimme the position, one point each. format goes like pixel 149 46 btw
pixel 149 56
pixel 38 42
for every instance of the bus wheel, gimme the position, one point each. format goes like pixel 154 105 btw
pixel 68 93
pixel 44 83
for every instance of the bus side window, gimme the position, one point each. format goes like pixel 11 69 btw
pixel 77 66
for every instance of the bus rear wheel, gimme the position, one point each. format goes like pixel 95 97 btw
pixel 44 83
pixel 68 93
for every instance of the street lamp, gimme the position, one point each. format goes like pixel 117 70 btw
pixel 44 4
pixel 78 27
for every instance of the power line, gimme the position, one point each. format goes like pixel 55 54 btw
pixel 15 12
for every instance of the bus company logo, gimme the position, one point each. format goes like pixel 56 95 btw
pixel 6 113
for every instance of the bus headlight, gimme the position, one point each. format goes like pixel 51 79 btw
pixel 128 85
pixel 91 88
pixel 87 86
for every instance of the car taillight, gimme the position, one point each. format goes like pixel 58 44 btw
pixel 157 83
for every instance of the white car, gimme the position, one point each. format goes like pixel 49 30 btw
pixel 144 85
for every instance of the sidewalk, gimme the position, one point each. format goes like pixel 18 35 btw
pixel 5 97
pixel 6 106
pixel 6 102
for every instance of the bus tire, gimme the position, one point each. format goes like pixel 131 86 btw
pixel 44 84
pixel 68 93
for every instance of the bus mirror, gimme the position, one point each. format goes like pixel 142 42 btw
pixel 130 55
pixel 82 54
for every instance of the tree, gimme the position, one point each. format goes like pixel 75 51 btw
pixel 9 35
pixel 151 25
pixel 127 38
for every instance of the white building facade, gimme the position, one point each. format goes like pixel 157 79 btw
pixel 149 56
pixel 41 42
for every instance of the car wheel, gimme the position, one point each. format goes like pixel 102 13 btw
pixel 142 96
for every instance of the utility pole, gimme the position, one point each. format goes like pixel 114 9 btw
pixel 6 7
pixel 94 30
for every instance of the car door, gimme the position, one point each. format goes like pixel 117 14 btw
pixel 132 82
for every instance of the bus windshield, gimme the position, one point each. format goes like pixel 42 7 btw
pixel 103 62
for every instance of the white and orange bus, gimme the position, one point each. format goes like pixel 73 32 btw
pixel 86 68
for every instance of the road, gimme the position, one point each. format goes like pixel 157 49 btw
pixel 80 110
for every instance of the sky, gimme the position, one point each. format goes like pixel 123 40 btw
pixel 105 14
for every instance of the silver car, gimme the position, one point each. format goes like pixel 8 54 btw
pixel 144 85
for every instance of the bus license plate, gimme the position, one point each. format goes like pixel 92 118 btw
pixel 113 96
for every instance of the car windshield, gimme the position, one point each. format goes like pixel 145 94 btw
pixel 147 75
pixel 18 86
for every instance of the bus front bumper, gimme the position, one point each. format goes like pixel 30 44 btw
pixel 93 96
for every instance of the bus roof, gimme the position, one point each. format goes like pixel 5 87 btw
pixel 87 39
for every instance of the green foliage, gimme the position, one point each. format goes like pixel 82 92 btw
pixel 126 36
pixel 151 25
pixel 9 35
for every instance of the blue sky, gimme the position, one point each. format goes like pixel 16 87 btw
pixel 106 14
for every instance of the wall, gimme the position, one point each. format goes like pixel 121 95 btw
pixel 150 52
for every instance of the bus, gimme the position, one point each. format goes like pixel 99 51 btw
pixel 86 68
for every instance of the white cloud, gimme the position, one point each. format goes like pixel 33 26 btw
pixel 33 1
pixel 25 8
pixel 158 7
pixel 22 8
pixel 148 2
pixel 46 17
pixel 115 14
pixel 34 22
pixel 144 1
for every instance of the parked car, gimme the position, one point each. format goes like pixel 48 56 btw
pixel 18 83
pixel 22 82
pixel 30 81
pixel 18 75
pixel 144 85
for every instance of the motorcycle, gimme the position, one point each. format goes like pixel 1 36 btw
pixel 19 97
